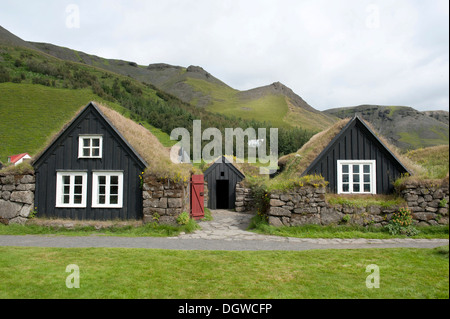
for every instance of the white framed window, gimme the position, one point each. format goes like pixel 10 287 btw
pixel 107 189
pixel 90 146
pixel 71 189
pixel 356 177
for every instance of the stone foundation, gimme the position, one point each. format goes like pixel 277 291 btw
pixel 307 205
pixel 16 198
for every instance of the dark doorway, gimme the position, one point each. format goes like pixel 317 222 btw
pixel 222 178
pixel 222 194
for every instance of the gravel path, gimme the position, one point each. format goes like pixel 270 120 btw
pixel 225 232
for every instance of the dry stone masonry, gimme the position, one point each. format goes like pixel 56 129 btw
pixel 164 200
pixel 16 198
pixel 244 199
pixel 427 201
pixel 307 205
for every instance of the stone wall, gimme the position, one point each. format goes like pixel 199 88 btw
pixel 16 198
pixel 427 201
pixel 164 200
pixel 244 199
pixel 308 205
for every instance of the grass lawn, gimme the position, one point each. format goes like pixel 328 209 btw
pixel 147 230
pixel 169 274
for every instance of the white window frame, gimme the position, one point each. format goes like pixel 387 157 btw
pixel 81 146
pixel 351 163
pixel 60 190
pixel 95 189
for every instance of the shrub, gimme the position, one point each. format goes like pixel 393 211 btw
pixel 401 223
pixel 183 218
pixel 4 75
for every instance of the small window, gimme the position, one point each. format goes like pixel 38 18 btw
pixel 90 146
pixel 71 189
pixel 107 189
pixel 356 177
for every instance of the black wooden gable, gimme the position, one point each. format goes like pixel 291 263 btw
pixel 90 110
pixel 220 165
pixel 222 177
pixel 356 141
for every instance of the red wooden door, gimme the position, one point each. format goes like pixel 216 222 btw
pixel 197 200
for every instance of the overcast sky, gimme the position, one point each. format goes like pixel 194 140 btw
pixel 331 53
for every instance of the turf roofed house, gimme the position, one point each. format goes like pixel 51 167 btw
pixel 89 172
pixel 354 160
pixel 96 169
pixel 357 162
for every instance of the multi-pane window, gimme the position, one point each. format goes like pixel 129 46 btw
pixel 71 189
pixel 90 146
pixel 107 189
pixel 356 177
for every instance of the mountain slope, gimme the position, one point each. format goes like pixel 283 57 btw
pixel 403 126
pixel 273 103
pixel 28 75
pixel 7 38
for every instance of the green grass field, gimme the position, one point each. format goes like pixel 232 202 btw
pixel 32 114
pixel 167 274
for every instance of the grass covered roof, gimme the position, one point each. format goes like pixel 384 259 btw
pixel 144 143
pixel 296 163
pixel 147 146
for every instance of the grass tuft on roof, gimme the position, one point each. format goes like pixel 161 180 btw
pixel 296 163
pixel 148 146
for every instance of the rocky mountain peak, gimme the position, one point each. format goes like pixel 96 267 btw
pixel 162 66
pixel 199 70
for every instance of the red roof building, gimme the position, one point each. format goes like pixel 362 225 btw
pixel 17 159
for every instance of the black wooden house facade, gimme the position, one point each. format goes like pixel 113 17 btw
pixel 89 172
pixel 222 177
pixel 356 161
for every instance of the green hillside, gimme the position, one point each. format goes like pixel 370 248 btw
pixel 32 114
pixel 275 103
pixel 40 87
pixel 225 100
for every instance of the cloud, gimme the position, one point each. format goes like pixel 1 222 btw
pixel 332 53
